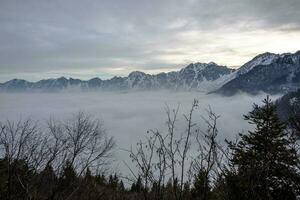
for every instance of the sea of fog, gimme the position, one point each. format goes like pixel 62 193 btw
pixel 128 116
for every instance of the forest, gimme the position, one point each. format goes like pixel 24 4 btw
pixel 71 159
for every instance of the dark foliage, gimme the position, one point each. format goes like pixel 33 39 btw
pixel 265 159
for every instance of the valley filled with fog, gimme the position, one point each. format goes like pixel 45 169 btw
pixel 128 116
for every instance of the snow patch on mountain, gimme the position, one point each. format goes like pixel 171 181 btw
pixel 262 59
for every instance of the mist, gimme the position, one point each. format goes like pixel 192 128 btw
pixel 128 116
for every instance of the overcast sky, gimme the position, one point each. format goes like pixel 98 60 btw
pixel 88 38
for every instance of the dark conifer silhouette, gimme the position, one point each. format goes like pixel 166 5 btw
pixel 265 158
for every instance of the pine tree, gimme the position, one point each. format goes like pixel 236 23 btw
pixel 113 181
pixel 121 186
pixel 3 177
pixel 201 187
pixel 133 187
pixel 186 191
pixel 22 177
pixel 88 175
pixel 68 181
pixel 137 187
pixel 101 180
pixel 265 159
pixel 46 182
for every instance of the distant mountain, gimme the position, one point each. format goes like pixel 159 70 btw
pixel 268 72
pixel 198 76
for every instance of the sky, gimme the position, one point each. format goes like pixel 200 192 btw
pixel 103 38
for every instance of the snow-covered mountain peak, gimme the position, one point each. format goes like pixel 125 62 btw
pixel 62 79
pixel 267 59
pixel 262 59
pixel 212 63
pixel 271 73
pixel 296 57
pixel 196 67
pixel 16 81
pixel 136 74
pixel 95 79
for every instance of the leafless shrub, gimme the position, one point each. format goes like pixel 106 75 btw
pixel 80 141
pixel 165 156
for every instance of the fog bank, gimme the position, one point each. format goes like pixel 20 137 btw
pixel 127 116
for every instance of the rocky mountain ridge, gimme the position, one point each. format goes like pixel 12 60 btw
pixel 267 72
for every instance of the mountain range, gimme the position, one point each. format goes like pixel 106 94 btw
pixel 267 72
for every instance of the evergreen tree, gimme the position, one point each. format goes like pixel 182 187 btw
pixel 101 180
pixel 88 175
pixel 228 187
pixel 121 186
pixel 265 158
pixel 3 177
pixel 113 181
pixel 186 191
pixel 137 187
pixel 201 187
pixel 21 177
pixel 68 182
pixel 133 187
pixel 46 183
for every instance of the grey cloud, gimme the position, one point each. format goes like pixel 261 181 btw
pixel 39 35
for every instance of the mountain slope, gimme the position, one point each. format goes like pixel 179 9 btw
pixel 286 102
pixel 288 108
pixel 271 73
pixel 262 59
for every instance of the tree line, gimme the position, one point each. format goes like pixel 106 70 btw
pixel 70 160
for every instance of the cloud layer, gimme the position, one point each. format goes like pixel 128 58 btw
pixel 127 116
pixel 41 38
